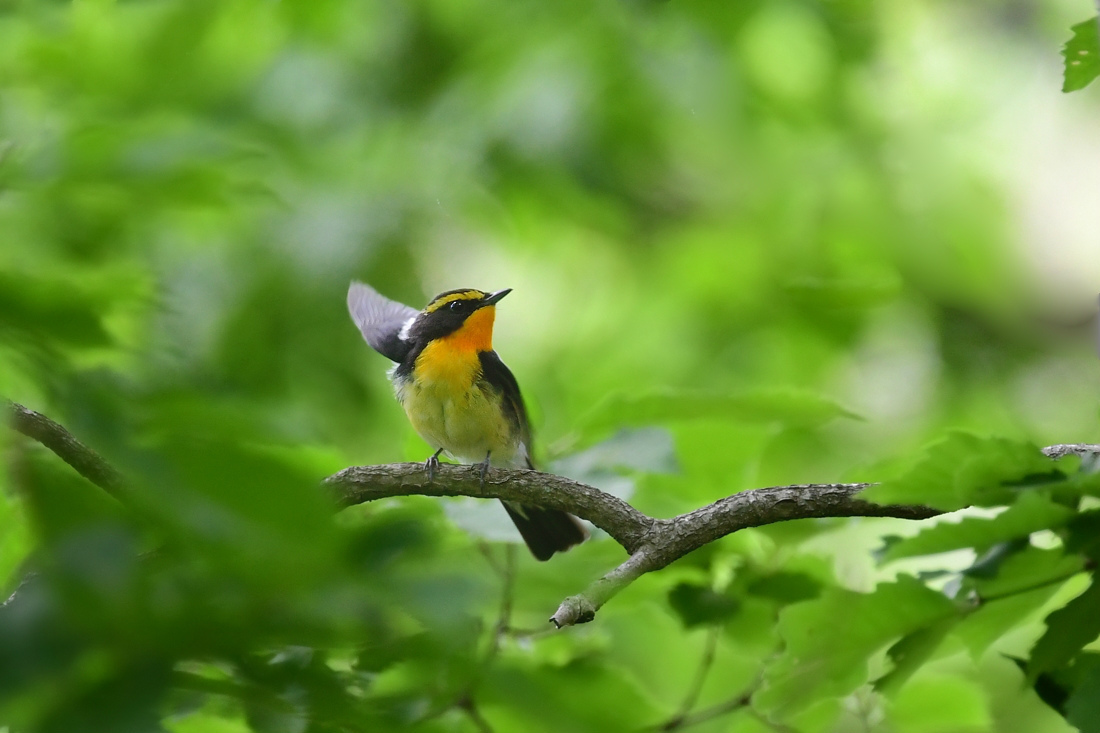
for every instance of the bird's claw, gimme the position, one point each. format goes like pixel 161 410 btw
pixel 484 466
pixel 432 464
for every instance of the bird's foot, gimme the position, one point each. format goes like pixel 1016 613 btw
pixel 484 465
pixel 432 464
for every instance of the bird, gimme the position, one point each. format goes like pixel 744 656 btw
pixel 458 394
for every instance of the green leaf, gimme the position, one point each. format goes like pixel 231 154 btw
pixel 1083 534
pixel 990 621
pixel 786 587
pixel 1032 512
pixel 51 309
pixel 784 406
pixel 1082 55
pixel 829 640
pixel 697 604
pixel 988 564
pixel 964 470
pixel 1022 571
pixel 582 696
pixel 941 704
pixel 1068 629
pixel 911 652
pixel 1083 706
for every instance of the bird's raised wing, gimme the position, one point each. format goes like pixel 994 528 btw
pixel 380 320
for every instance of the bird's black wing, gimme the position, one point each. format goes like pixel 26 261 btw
pixel 380 320
pixel 545 531
pixel 497 374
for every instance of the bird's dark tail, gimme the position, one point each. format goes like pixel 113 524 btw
pixel 546 531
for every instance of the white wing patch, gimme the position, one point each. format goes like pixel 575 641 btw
pixel 403 334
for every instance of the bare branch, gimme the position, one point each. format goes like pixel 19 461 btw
pixel 83 459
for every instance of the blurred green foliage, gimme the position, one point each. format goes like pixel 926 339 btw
pixel 751 244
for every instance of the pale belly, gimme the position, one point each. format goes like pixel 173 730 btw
pixel 467 425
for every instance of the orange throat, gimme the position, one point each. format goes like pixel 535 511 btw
pixel 453 359
pixel 476 333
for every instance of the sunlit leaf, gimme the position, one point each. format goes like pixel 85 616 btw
pixel 936 704
pixel 1082 55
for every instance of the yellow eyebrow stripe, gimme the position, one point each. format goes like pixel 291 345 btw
pixel 464 295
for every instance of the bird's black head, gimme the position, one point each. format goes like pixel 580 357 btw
pixel 451 311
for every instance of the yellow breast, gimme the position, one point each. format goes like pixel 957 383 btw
pixel 450 407
pixel 448 366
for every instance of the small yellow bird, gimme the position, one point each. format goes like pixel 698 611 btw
pixel 459 395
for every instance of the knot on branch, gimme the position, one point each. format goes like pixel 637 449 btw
pixel 574 610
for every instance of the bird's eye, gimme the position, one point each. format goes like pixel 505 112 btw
pixel 456 305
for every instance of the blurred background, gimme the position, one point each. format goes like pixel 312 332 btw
pixel 750 244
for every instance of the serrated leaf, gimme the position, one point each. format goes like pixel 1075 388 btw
pixel 697 604
pixel 964 470
pixel 1032 512
pixel 1082 55
pixel 787 407
pixel 1068 629
pixel 829 640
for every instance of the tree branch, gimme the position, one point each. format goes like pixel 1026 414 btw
pixel 651 543
pixel 623 522
pixel 83 459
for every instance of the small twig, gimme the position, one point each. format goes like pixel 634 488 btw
pixel 486 551
pixel 504 616
pixel 715 711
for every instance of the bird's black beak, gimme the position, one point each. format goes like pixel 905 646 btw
pixel 495 297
